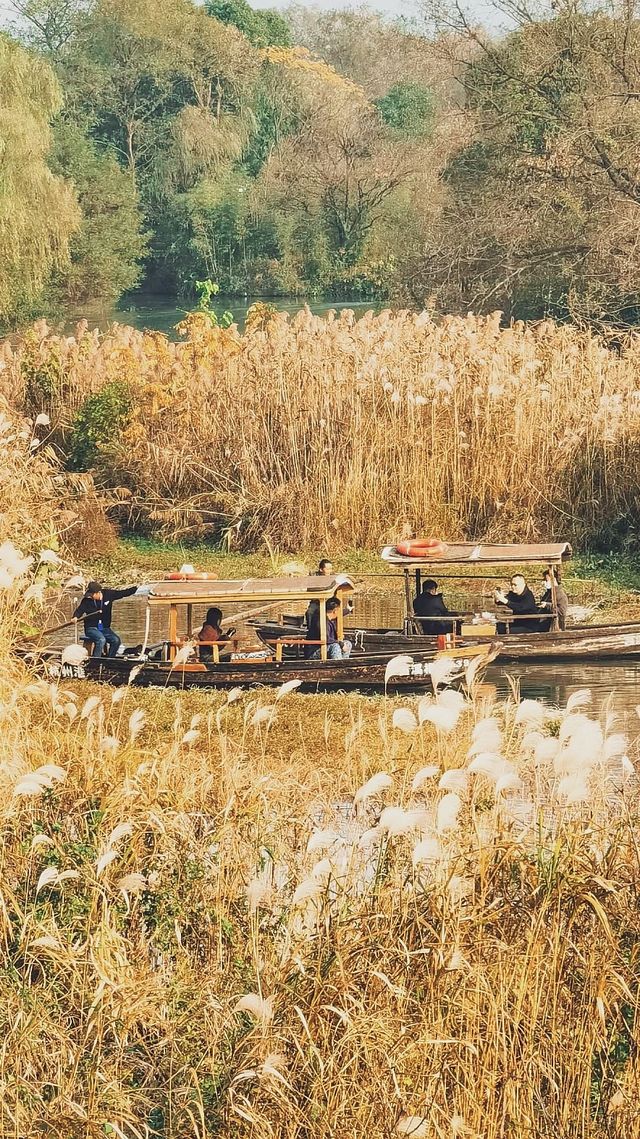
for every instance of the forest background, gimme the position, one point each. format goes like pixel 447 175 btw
pixel 340 153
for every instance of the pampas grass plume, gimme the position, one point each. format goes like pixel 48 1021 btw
pixel 132 883
pixel 404 720
pixel 531 712
pixel 448 811
pixel 426 850
pixel 455 779
pixel 74 654
pixel 423 774
pixel 615 745
pixel 443 718
pixel 258 890
pixel 287 687
pixel 510 781
pixel 579 699
pixel 262 714
pixel 414 1127
pixel 397 666
pixel 397 821
pixel 89 706
pixel 574 789
pixel 260 1008
pixel 105 860
pixel 308 890
pixel 322 840
pixel 136 723
pixel 374 786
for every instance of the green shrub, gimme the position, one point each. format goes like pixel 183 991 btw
pixel 98 421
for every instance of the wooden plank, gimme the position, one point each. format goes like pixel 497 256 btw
pixel 173 630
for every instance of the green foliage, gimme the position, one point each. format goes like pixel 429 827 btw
pixel 97 424
pixel 38 212
pixel 206 291
pixel 107 251
pixel 263 28
pixel 409 109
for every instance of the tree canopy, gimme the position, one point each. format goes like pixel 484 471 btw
pixel 312 152
pixel 38 210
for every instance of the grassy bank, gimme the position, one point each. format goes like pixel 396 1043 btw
pixel 270 916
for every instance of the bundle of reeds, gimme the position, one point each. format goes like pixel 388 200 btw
pixel 316 431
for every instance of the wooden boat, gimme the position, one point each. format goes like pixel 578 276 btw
pixel 230 667
pixel 586 642
pixel 611 641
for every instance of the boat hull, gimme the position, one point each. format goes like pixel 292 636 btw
pixel 586 642
pixel 365 672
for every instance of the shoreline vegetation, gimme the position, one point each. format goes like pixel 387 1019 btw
pixel 340 432
pixel 262 914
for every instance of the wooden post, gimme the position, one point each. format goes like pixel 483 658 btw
pixel 323 628
pixel 189 620
pixel 407 600
pixel 173 630
pixel 555 624
pixel 418 581
pixel 340 622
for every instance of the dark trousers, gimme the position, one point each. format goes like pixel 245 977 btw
pixel 101 637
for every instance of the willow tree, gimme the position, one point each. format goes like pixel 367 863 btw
pixel 38 211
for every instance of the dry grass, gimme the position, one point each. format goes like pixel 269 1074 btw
pixel 286 917
pixel 345 433
pixel 224 942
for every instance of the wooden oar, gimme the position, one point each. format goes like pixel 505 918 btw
pixel 64 625
pixel 249 612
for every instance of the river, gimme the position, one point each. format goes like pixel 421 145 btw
pixel 614 687
pixel 163 313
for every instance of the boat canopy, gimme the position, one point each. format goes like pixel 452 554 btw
pixel 198 592
pixel 472 553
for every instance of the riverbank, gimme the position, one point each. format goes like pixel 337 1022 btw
pixel 344 432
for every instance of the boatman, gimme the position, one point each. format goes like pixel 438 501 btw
pixel 96 609
pixel 336 649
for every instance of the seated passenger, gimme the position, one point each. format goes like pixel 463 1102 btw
pixel 429 603
pixel 562 601
pixel 520 600
pixel 210 632
pixel 336 649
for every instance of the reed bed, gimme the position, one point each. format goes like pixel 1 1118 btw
pixel 346 433
pixel 267 915
pixel 272 915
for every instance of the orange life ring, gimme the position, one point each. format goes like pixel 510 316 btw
pixel 422 548
pixel 190 577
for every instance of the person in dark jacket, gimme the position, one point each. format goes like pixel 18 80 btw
pixel 96 609
pixel 520 600
pixel 336 649
pixel 430 603
pixel 562 601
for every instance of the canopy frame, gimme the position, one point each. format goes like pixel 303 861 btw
pixel 171 594
pixel 470 554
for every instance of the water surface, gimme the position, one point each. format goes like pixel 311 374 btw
pixel 161 314
pixel 614 685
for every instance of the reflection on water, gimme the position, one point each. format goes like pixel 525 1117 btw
pixel 550 682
